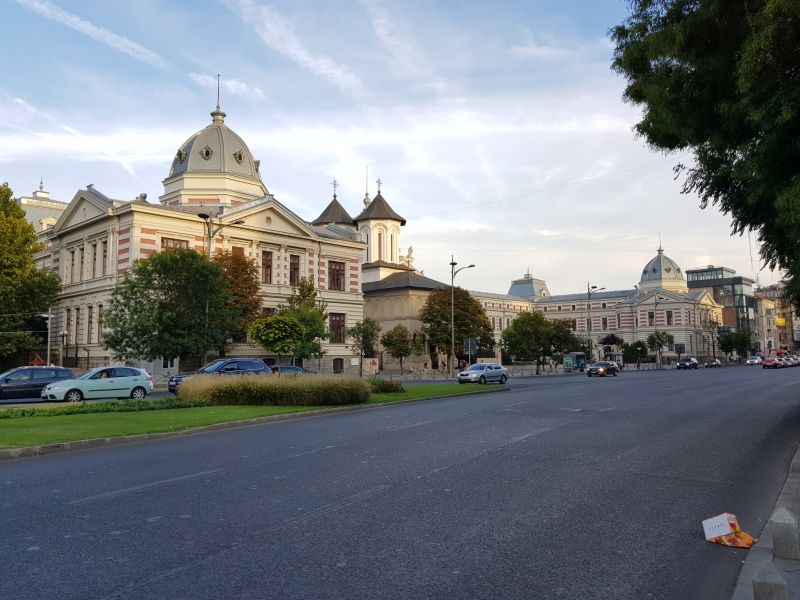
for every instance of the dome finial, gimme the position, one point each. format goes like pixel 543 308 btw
pixel 335 185
pixel 218 117
pixel 366 185
pixel 660 249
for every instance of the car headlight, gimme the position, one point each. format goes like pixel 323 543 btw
pixel 52 388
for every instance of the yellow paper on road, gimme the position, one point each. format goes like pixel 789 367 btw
pixel 724 529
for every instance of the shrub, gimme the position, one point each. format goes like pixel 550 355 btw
pixel 306 390
pixel 82 408
pixel 386 386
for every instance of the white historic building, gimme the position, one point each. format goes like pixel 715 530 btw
pixel 213 195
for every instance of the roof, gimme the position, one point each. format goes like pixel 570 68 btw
pixel 215 149
pixel 383 263
pixel 661 267
pixel 507 297
pixel 407 279
pixel 582 296
pixel 334 213
pixel 379 209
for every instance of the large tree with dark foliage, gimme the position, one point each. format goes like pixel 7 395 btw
pixel 722 80
pixel 172 303
pixel 470 320
pixel 25 292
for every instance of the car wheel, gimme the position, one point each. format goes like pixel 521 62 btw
pixel 461 381
pixel 503 378
pixel 138 393
pixel 588 374
pixel 482 379
pixel 73 396
pixel 615 373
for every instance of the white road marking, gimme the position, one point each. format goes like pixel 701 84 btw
pixel 144 486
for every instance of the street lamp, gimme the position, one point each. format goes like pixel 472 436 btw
pixel 211 231
pixel 590 289
pixel 453 273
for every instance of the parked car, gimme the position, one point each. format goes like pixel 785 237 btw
pixel 290 370
pixel 483 373
pixel 103 382
pixel 793 360
pixel 602 368
pixel 223 366
pixel 771 363
pixel 783 362
pixel 713 362
pixel 28 382
pixel 753 360
pixel 687 362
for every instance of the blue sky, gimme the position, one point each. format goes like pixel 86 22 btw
pixel 497 128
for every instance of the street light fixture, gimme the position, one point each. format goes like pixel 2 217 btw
pixel 211 231
pixel 590 289
pixel 453 273
pixel 657 300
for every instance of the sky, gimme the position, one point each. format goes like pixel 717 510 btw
pixel 498 130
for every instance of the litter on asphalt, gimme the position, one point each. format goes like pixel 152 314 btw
pixel 724 529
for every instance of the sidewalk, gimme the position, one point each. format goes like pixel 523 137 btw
pixel 764 575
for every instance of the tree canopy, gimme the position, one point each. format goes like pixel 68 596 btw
pixel 311 313
pixel 532 337
pixel 364 336
pixel 720 79
pixel 469 317
pixel 243 304
pixel 280 334
pixel 25 292
pixel 398 342
pixel 160 306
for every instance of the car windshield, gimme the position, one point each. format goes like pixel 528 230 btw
pixel 477 368
pixel 212 367
pixel 88 375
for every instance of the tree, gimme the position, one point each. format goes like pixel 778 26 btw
pixel 311 313
pixel 727 343
pixel 469 317
pixel 240 275
pixel 719 79
pixel 611 340
pixel 635 351
pixel 280 334
pixel 707 329
pixel 657 340
pixel 172 303
pixel 24 291
pixel 528 337
pixel 398 343
pixel 742 341
pixel 365 337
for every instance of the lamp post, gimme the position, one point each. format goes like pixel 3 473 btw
pixel 590 289
pixel 453 273
pixel 211 231
pixel 63 336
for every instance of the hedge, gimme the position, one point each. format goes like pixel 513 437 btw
pixel 275 390
pixel 81 408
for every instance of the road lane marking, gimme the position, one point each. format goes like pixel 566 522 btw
pixel 144 486
pixel 329 508
pixel 410 425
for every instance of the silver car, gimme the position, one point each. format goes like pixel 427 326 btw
pixel 484 373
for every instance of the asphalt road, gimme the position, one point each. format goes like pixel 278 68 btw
pixel 566 487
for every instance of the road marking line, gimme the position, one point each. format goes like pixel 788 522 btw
pixel 144 486
pixel 408 426
pixel 329 508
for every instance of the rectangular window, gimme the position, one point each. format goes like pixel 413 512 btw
pixel 603 305
pixel 89 324
pixel 559 308
pixel 336 321
pixel 605 324
pixel 68 325
pixel 336 275
pixel 294 269
pixel 266 266
pixel 237 251
pixel 80 273
pixel 167 363
pixel 94 261
pixel 170 243
pixel 77 325
pixel 651 319
pixel 105 258
pixel 573 307
pixel 669 317
pixel 493 324
pixel 99 323
pixel 71 266
pixel 619 322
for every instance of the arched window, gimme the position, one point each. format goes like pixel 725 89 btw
pixel 391 248
pixel 380 246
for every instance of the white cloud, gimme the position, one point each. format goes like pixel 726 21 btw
pixel 276 33
pixel 234 87
pixel 100 34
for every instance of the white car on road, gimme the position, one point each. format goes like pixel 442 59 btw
pixel 103 382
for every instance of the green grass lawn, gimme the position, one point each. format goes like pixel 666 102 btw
pixel 39 430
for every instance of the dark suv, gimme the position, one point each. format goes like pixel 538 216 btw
pixel 687 362
pixel 223 366
pixel 28 382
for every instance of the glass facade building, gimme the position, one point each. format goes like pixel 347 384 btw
pixel 733 292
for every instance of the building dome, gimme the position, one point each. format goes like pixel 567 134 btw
pixel 662 272
pixel 215 149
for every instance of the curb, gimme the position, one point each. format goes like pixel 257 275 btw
pixel 761 553
pixel 46 449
